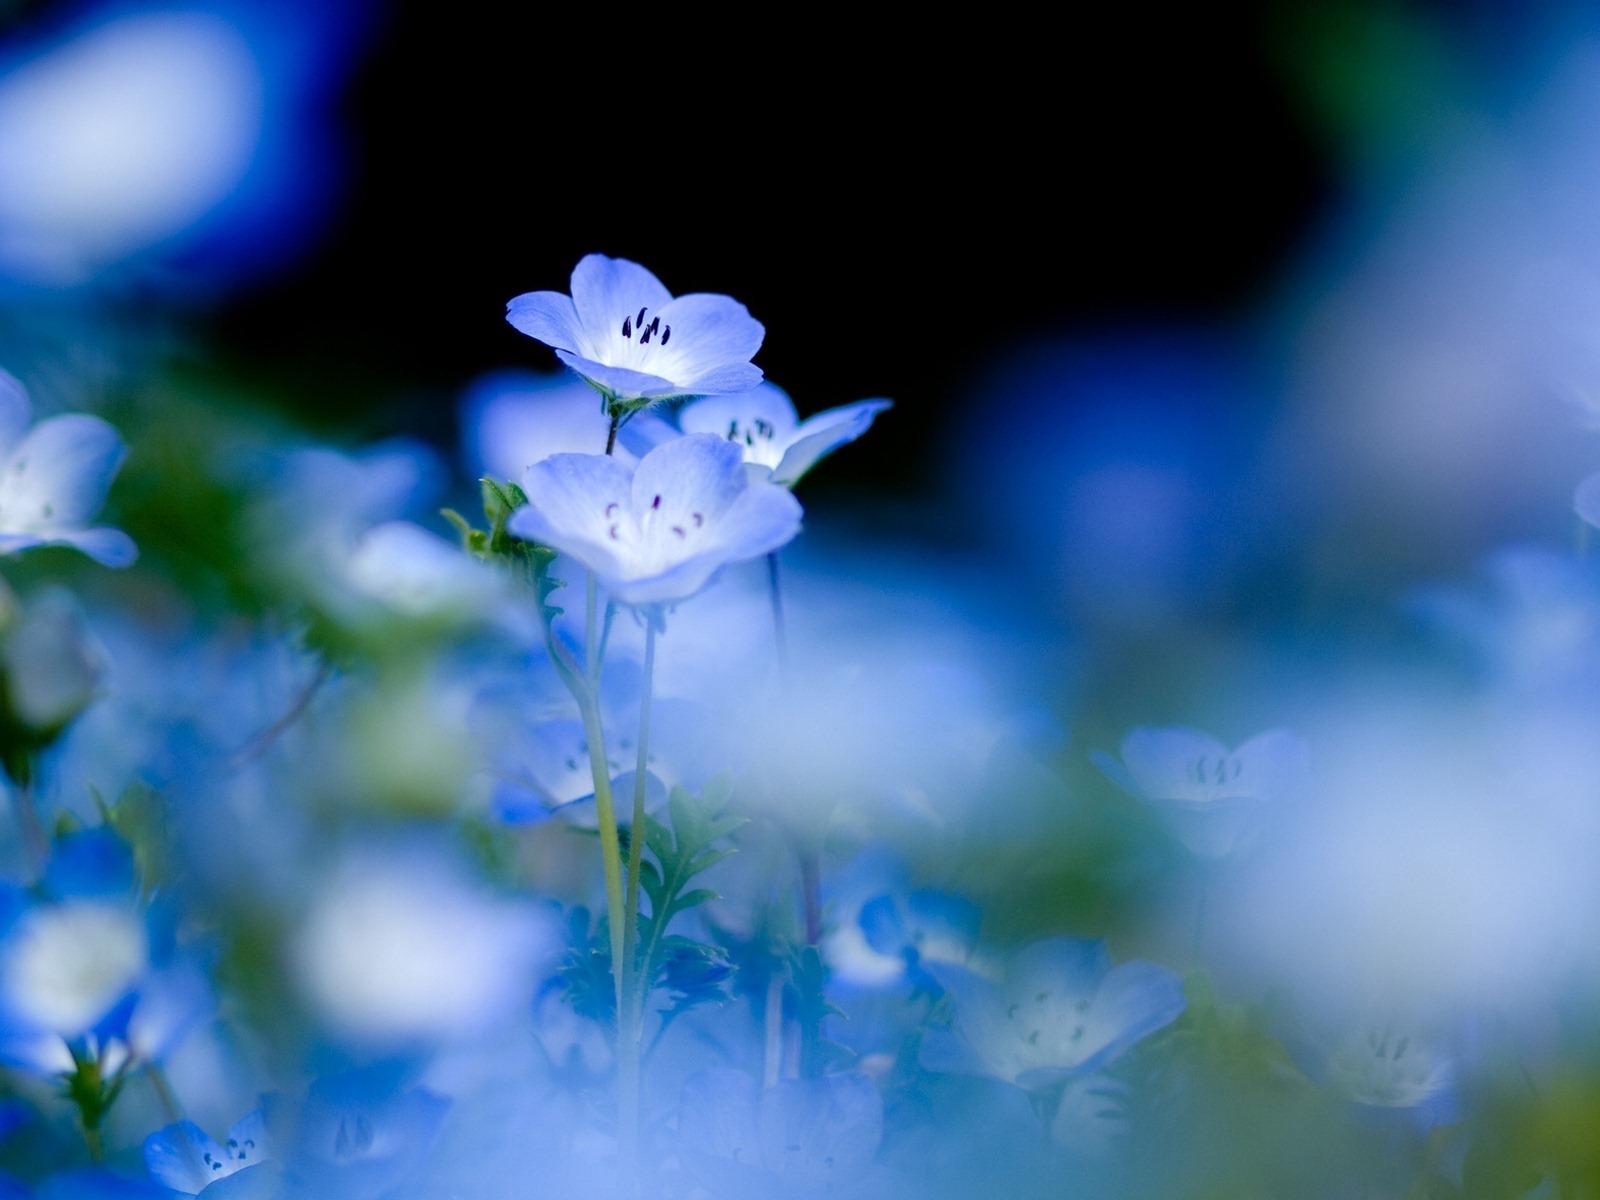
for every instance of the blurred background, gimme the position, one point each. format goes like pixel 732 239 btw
pixel 1245 363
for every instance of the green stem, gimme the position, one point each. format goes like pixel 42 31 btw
pixel 635 982
pixel 636 837
pixel 591 642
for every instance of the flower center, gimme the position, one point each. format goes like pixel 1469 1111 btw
pixel 651 533
pixel 1216 769
pixel 635 326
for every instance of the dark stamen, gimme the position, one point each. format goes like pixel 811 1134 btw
pixel 698 520
pixel 678 529
pixel 666 332
pixel 656 503
pixel 627 327
pixel 613 532
pixel 639 320
pixel 611 508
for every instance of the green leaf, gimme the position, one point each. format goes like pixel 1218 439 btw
pixel 692 898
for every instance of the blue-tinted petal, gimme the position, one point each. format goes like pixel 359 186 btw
pixel 644 431
pixel 883 927
pixel 108 547
pixel 821 1133
pixel 731 377
pixel 605 290
pixel 183 1157
pixel 548 317
pixel 1162 761
pixel 709 334
pixel 1068 964
pixel 1136 999
pixel 90 862
pixel 15 411
pixel 822 434
pixel 697 473
pixel 717 1114
pixel 762 519
pixel 58 475
pixel 719 414
pixel 573 500
pixel 622 381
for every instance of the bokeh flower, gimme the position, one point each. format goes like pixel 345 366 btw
pixel 1208 795
pixel 53 479
pixel 1059 1009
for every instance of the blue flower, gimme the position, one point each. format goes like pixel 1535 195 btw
pixel 1207 794
pixel 763 422
pixel 635 342
pixel 53 480
pixel 1059 1010
pixel 658 533
pixel 187 1159
pixel 799 1137
pixel 356 1135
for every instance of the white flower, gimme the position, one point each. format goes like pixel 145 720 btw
pixel 634 341
pixel 764 424
pixel 658 533
pixel 1208 795
pixel 53 480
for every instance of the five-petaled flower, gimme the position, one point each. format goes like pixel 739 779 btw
pixel 656 533
pixel 1208 795
pixel 53 479
pixel 1059 1009
pixel 636 343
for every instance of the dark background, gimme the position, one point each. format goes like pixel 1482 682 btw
pixel 899 205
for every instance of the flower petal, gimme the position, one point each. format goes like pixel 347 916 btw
pixel 605 290
pixel 183 1157
pixel 569 496
pixel 822 434
pixel 623 381
pixel 713 339
pixel 763 518
pixel 697 473
pixel 58 475
pixel 714 414
pixel 548 317
pixel 1162 761
pixel 14 410
pixel 1135 999
pixel 108 547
